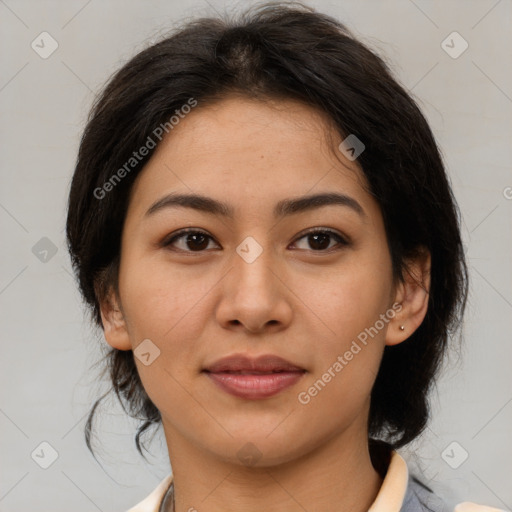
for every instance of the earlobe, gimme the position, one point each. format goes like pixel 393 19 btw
pixel 413 295
pixel 114 324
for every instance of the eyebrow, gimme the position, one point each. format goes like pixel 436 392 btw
pixel 283 208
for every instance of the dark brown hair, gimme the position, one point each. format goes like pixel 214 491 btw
pixel 279 51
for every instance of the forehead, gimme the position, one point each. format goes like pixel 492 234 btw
pixel 242 150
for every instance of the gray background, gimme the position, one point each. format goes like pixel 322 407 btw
pixel 47 345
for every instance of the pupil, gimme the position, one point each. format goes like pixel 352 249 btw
pixel 193 239
pixel 323 238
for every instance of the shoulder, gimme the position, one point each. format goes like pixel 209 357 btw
pixel 466 506
pixel 152 502
pixel 420 498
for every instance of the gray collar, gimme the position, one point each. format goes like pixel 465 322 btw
pixel 419 498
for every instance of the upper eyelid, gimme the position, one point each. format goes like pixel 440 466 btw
pixel 320 229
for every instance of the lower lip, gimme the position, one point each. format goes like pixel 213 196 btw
pixel 254 387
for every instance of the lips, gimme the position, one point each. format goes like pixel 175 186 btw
pixel 254 378
pixel 263 364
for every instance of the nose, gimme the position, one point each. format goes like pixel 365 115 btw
pixel 254 296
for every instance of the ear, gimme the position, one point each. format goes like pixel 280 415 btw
pixel 412 294
pixel 114 324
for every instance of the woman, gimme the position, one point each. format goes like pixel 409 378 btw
pixel 261 223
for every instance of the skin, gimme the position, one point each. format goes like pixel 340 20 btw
pixel 302 304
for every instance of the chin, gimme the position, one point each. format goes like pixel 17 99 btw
pixel 255 448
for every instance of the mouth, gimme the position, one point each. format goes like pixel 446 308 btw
pixel 254 378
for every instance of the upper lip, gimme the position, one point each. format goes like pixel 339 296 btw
pixel 261 364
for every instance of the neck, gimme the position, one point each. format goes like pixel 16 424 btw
pixel 338 475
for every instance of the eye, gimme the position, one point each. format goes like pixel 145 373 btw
pixel 190 240
pixel 194 240
pixel 320 239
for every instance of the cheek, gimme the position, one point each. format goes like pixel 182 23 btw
pixel 351 338
pixel 168 308
pixel 347 300
pixel 346 360
pixel 165 305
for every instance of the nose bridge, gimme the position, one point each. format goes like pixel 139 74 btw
pixel 252 294
pixel 253 272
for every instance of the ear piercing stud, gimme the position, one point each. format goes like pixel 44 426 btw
pixel 402 328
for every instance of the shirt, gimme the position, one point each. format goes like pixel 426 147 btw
pixel 399 492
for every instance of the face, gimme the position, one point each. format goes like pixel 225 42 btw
pixel 255 280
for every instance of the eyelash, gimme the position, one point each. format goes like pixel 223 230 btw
pixel 182 233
